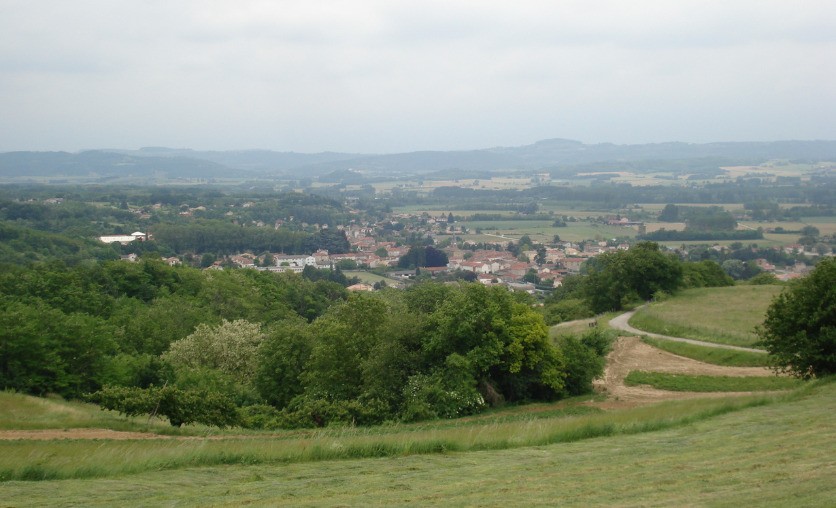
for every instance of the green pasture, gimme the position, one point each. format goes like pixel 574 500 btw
pixel 657 207
pixel 542 230
pixel 725 315
pixel 23 412
pixel 514 427
pixel 713 355
pixel 775 449
pixel 371 278
pixel 690 383
pixel 768 240
pixel 581 326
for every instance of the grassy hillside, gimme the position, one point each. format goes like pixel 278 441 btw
pixel 713 355
pixel 726 315
pixel 24 412
pixel 778 451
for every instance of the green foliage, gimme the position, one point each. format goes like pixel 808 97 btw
pixel 704 273
pixel 669 214
pixel 231 348
pixel 615 278
pixel 223 237
pixel 179 406
pixel 739 270
pixel 344 339
pixel 282 357
pixel 503 341
pixel 43 350
pixel 800 326
pixel 427 297
pixel 712 218
pixel 20 245
pixel 664 235
pixel 448 393
pixel 332 240
pixel 567 309
pixel 763 278
pixel 423 256
pixel 261 416
pixel 140 370
pixel 585 359
pixel 149 328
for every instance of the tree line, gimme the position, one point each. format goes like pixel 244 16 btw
pixel 276 350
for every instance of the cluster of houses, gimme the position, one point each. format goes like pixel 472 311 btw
pixel 490 267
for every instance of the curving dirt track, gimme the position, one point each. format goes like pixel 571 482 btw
pixel 621 322
pixel 630 353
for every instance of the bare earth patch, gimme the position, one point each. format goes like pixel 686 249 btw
pixel 630 353
pixel 49 434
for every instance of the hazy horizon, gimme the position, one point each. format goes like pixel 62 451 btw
pixel 258 149
pixel 390 77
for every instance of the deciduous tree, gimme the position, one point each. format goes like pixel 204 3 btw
pixel 800 326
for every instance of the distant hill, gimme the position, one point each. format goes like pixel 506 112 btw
pixel 103 165
pixel 551 154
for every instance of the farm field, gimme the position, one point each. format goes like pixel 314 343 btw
pixel 371 278
pixel 725 315
pixel 777 450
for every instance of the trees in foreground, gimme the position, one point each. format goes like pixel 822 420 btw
pixel 433 351
pixel 800 326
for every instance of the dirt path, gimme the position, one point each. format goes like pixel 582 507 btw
pixel 630 353
pixel 620 322
pixel 49 434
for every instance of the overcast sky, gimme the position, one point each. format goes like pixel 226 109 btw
pixel 392 76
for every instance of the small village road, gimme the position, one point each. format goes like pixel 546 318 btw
pixel 620 322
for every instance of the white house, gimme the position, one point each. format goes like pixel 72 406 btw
pixel 294 260
pixel 124 239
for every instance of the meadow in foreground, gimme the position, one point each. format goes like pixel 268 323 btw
pixel 775 452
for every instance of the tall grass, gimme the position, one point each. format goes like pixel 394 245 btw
pixel 43 460
pixel 777 455
pixel 24 412
pixel 713 355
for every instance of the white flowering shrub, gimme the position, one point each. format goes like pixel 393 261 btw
pixel 230 347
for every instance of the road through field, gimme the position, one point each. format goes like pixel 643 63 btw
pixel 620 322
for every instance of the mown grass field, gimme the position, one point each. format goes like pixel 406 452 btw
pixel 371 278
pixel 726 315
pixel 523 427
pixel 713 355
pixel 773 451
pixel 542 231
pixel 22 412
pixel 691 383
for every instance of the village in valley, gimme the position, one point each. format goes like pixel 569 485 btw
pixel 512 260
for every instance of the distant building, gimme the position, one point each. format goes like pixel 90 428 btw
pixel 124 239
